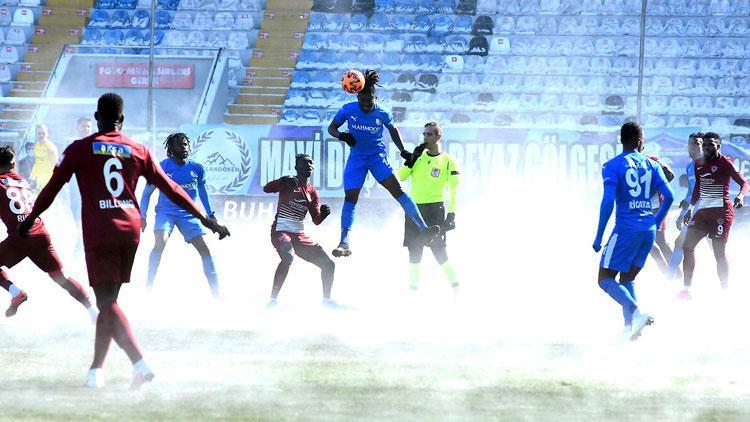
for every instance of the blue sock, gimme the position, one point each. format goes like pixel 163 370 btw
pixel 154 258
pixel 347 219
pixel 210 271
pixel 411 210
pixel 674 262
pixel 630 287
pixel 619 293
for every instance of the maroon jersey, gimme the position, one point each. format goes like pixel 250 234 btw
pixel 294 203
pixel 712 182
pixel 107 167
pixel 16 203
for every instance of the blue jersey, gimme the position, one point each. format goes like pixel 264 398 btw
pixel 635 178
pixel 367 128
pixel 190 176
pixel 690 173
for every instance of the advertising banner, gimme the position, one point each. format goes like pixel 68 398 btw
pixel 135 75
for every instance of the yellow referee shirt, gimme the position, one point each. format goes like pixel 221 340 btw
pixel 429 177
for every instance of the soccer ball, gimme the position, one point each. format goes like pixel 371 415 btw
pixel 353 81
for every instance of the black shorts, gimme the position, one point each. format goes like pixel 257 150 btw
pixel 433 215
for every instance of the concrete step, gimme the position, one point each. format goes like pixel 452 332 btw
pixel 305 5
pixel 71 4
pixel 33 75
pixel 253 99
pixel 277 82
pixel 240 119
pixel 264 90
pixel 269 72
pixel 254 109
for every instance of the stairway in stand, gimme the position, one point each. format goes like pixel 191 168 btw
pixel 59 24
pixel 269 75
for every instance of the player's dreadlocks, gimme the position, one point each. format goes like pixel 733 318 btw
pixel 372 79
pixel 172 139
pixel 7 154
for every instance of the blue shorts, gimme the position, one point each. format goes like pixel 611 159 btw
pixel 626 250
pixel 189 226
pixel 355 170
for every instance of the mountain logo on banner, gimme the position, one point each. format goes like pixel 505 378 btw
pixel 218 150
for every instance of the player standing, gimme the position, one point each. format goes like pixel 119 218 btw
pixel 714 219
pixel 45 157
pixel 366 120
pixel 107 165
pixel 191 176
pixel 431 170
pixel 629 182
pixel 15 204
pixel 661 252
pixel 695 151
pixel 296 197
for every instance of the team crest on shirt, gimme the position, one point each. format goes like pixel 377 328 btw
pixel 377 121
pixel 435 172
pixel 714 168
pixel 226 158
pixel 720 220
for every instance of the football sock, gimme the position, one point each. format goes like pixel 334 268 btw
pixel 279 277
pixel 154 258
pixel 141 366
pixel 411 210
pixel 619 293
pixel 451 275
pixel 347 220
pixel 76 291
pixel 14 291
pixel 414 276
pixel 122 334
pixel 688 266
pixel 209 269
pixel 102 339
pixel 630 287
pixel 326 276
pixel 674 262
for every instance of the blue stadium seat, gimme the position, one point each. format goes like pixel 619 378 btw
pixel 163 20
pixel 433 62
pixel 300 79
pixel 336 22
pixel 421 23
pixel 457 44
pixel 307 59
pixel 394 43
pixel 374 43
pixel 416 44
pixel 141 19
pixel 314 42
pixel 158 37
pixel 317 22
pixel 119 19
pixel 411 62
pixel 167 4
pixel 99 19
pixel 311 116
pixel 327 60
pixel 91 36
pixel 127 4
pixel 391 62
pixel 134 37
pixel 462 24
pixel 352 42
pixel 401 23
pixel 444 7
pixel 296 98
pixel 324 79
pixel 289 116
pixel 358 22
pixel 113 37
pixel 379 22
pixel 441 26
pixel 406 6
pixel 385 6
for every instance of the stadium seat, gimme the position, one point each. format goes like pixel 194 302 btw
pixel 499 45
pixel 244 22
pixel 406 6
pixel 91 36
pixel 203 20
pixel 526 25
pixel 113 37
pixel 16 36
pixel 217 39
pixel 428 82
pixel 301 79
pixel 141 19
pixel 401 23
pixel 352 42
pixel 726 86
pixel 401 97
pixel 385 6
pixel 421 24
pixel 441 26
pixel 196 39
pixel 158 37
pixel 23 16
pixel 119 19
pixel 164 4
pixel 454 63
pixel 336 22
pixel 379 23
pixel 462 24
pixel 374 43
pixel 182 20
pixel 483 25
pixel 600 65
pixel 8 54
pixel 250 5
pixel 391 62
pixel 99 19
pixel 163 20
pixel 314 42
pixel 365 7
pixel 296 98
pixel 223 20
pixel 394 43
pixel 5 74
pixel 358 22
pixel 175 39
pixel 227 5
pixel 134 37
pixel 466 7
pixel 327 60
pixel 317 22
pixel 415 44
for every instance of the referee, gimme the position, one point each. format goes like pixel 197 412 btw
pixel 431 170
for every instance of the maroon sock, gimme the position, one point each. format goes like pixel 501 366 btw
pixel 103 337
pixel 4 282
pixel 123 335
pixel 74 289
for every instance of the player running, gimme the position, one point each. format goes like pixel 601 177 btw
pixel 714 219
pixel 366 120
pixel 629 181
pixel 695 151
pixel 191 176
pixel 661 252
pixel 431 170
pixel 296 197
pixel 15 204
pixel 107 165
